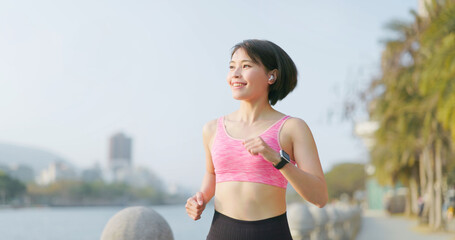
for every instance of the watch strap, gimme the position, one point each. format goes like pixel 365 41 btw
pixel 281 164
pixel 284 159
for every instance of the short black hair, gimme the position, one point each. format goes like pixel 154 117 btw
pixel 271 56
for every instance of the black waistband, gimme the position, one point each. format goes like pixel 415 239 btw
pixel 254 222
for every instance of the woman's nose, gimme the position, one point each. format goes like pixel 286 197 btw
pixel 237 72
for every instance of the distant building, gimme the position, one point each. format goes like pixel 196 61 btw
pixel 365 130
pixel 92 174
pixel 375 194
pixel 143 177
pixel 120 156
pixel 56 171
pixel 22 172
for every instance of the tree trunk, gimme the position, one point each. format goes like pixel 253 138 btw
pixel 438 186
pixel 408 205
pixel 423 159
pixel 413 188
pixel 423 178
pixel 429 200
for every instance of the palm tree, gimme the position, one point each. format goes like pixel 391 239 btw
pixel 436 81
pixel 414 103
pixel 397 110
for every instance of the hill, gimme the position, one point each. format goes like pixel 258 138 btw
pixel 37 159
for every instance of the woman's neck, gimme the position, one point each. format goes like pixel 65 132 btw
pixel 250 112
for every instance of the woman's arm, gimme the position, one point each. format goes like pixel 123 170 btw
pixel 195 205
pixel 307 177
pixel 208 184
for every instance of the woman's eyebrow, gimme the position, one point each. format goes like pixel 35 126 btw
pixel 243 61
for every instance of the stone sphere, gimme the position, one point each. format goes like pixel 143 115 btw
pixel 300 220
pixel 137 223
pixel 333 214
pixel 320 215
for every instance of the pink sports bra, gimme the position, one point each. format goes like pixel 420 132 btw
pixel 232 162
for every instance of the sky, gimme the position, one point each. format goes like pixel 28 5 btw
pixel 73 73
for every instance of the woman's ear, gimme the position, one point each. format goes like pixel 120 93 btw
pixel 272 77
pixel 271 80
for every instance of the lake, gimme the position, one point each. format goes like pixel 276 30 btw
pixel 87 223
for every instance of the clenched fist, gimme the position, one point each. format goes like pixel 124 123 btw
pixel 195 205
pixel 258 146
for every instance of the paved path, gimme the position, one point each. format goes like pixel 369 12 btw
pixel 379 226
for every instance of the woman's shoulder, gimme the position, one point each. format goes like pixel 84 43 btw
pixel 295 121
pixel 295 125
pixel 210 127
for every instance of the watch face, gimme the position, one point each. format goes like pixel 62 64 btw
pixel 284 155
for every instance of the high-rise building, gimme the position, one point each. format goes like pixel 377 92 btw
pixel 120 148
pixel 120 159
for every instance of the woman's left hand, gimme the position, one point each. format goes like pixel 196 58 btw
pixel 257 146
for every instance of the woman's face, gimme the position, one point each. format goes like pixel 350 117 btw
pixel 248 80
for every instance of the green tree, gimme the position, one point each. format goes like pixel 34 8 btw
pixel 93 193
pixel 10 188
pixel 414 104
pixel 396 105
pixel 436 81
pixel 345 178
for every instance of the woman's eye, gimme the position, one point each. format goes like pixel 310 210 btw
pixel 246 66
pixel 231 67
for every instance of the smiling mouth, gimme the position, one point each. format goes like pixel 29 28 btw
pixel 237 84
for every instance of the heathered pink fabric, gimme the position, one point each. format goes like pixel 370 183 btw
pixel 233 162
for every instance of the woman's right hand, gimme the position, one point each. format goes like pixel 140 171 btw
pixel 195 205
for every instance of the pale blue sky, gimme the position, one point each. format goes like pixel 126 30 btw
pixel 72 73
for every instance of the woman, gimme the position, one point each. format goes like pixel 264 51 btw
pixel 252 153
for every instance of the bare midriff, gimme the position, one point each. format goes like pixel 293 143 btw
pixel 249 201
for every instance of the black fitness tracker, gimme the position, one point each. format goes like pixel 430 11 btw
pixel 284 160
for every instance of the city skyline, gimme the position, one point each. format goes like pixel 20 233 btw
pixel 74 73
pixel 45 168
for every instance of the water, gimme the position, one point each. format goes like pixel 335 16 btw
pixel 87 223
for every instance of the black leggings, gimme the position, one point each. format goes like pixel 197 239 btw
pixel 227 228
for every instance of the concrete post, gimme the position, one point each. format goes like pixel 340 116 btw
pixel 300 221
pixel 335 225
pixel 137 223
pixel 321 219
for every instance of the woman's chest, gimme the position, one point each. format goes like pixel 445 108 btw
pixel 242 131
